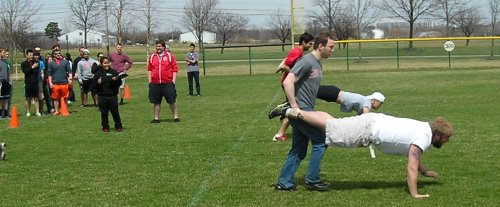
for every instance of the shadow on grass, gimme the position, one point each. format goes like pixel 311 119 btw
pixel 355 185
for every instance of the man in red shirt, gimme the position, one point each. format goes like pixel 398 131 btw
pixel 305 42
pixel 120 62
pixel 162 74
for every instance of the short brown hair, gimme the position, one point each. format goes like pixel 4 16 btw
pixel 441 125
pixel 322 38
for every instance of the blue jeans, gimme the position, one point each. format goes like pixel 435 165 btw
pixel 301 134
pixel 196 76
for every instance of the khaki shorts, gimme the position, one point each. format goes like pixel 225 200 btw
pixel 353 131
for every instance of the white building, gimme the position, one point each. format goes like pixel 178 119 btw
pixel 93 38
pixel 208 37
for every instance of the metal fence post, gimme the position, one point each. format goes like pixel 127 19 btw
pixel 250 58
pixel 397 53
pixel 347 53
pixel 203 58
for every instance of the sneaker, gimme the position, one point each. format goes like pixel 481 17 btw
pixel 278 187
pixel 177 120
pixel 28 114
pixel 155 121
pixel 278 137
pixel 2 150
pixel 279 110
pixel 38 114
pixel 119 129
pixel 105 130
pixel 319 186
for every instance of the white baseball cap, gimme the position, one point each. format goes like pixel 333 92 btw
pixel 86 51
pixel 377 96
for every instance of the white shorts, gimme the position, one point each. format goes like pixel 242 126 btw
pixel 353 131
pixel 122 86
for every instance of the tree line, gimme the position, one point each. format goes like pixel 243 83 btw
pixel 346 19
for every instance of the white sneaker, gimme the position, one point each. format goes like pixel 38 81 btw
pixel 2 150
pixel 38 114
pixel 28 114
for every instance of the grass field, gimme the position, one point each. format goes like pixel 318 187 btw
pixel 221 153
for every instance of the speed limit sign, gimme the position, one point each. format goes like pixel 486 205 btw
pixel 449 46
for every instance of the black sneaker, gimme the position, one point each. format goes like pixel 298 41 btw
pixel 3 147
pixel 177 120
pixel 278 187
pixel 155 121
pixel 319 186
pixel 279 110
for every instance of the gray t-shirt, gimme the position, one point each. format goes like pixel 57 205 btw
pixel 308 71
pixel 4 71
pixel 354 102
pixel 192 67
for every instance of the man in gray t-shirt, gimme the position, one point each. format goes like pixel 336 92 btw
pixel 301 86
pixel 193 70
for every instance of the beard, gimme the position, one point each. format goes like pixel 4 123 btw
pixel 437 144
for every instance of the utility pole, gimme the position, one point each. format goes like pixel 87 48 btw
pixel 107 26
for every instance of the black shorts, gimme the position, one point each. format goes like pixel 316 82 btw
pixel 5 89
pixel 31 90
pixel 85 86
pixel 159 91
pixel 328 93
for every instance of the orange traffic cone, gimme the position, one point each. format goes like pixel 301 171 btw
pixel 64 107
pixel 14 122
pixel 126 93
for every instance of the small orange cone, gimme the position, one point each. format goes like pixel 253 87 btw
pixel 64 107
pixel 126 93
pixel 14 122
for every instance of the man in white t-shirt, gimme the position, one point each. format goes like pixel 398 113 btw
pixel 391 135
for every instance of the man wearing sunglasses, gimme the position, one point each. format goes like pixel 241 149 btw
pixel 60 79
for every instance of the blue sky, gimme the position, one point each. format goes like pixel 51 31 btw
pixel 258 11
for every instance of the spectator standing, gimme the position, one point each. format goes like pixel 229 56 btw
pixel 121 63
pixel 84 74
pixel 193 70
pixel 31 70
pixel 46 89
pixel 60 79
pixel 5 83
pixel 162 75
pixel 107 84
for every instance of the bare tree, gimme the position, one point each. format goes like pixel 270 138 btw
pixel 494 9
pixel 363 15
pixel 197 16
pixel 409 11
pixel 85 15
pixel 327 12
pixel 448 10
pixel 149 21
pixel 16 20
pixel 281 27
pixel 119 10
pixel 467 21
pixel 344 26
pixel 227 25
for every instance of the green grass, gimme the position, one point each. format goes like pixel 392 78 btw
pixel 221 154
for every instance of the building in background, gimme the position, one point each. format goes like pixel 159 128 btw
pixel 208 37
pixel 94 38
